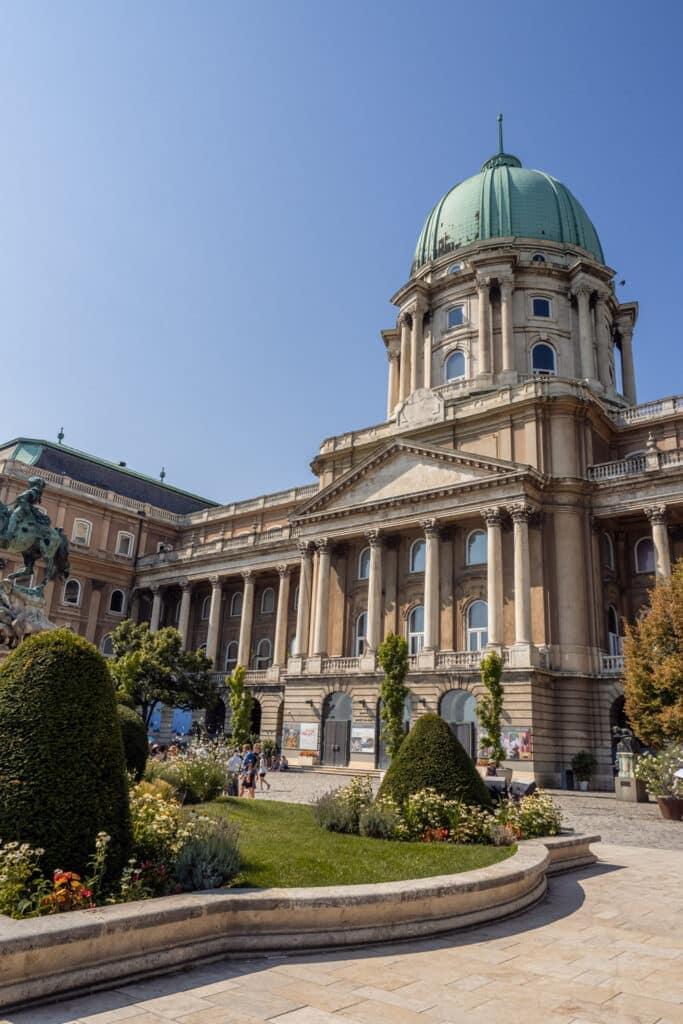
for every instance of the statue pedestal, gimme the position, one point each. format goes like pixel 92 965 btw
pixel 626 786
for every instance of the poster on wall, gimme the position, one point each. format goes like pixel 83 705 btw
pixel 362 739
pixel 290 736
pixel 308 736
pixel 516 743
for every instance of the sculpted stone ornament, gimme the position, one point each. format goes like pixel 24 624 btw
pixel 26 530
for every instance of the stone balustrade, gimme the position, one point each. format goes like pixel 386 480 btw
pixel 619 468
pixel 649 410
pixel 612 664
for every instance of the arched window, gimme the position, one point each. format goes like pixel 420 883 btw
pixel 72 592
pixel 614 641
pixel 364 564
pixel 455 268
pixel 295 599
pixel 107 646
pixel 417 556
pixel 543 359
pixel 416 629
pixel 455 366
pixel 268 601
pixel 206 607
pixel 81 532
pixel 607 551
pixel 236 605
pixel 538 257
pixel 645 555
pixel 477 548
pixel 231 655
pixel 117 602
pixel 124 544
pixel 477 626
pixel 264 654
pixel 361 634
pixel 459 709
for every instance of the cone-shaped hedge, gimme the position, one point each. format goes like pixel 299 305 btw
pixel 135 743
pixel 62 770
pixel 430 755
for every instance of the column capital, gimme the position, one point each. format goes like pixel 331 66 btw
pixel 155 588
pixel 506 283
pixel 374 538
pixel 393 354
pixel 581 291
pixel 430 527
pixel 492 516
pixel 183 583
pixel 283 569
pixel 247 575
pixel 323 544
pixel 656 514
pixel 304 547
pixel 215 581
pixel 483 282
pixel 403 319
pixel 521 512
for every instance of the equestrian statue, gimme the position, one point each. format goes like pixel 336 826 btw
pixel 26 530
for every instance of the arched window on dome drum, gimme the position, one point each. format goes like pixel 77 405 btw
pixel 364 564
pixel 361 634
pixel 543 359
pixel 455 366
pixel 477 553
pixel 455 268
pixel 645 555
pixel 416 629
pixel 538 257
pixel 417 556
pixel 477 626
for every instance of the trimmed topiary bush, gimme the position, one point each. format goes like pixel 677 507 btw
pixel 135 744
pixel 431 757
pixel 62 770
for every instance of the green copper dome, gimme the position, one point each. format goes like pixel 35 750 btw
pixel 505 200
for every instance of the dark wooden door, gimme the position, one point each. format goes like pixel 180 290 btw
pixel 336 743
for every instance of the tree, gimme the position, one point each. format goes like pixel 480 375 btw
pixel 152 668
pixel 241 703
pixel 653 665
pixel 490 706
pixel 392 655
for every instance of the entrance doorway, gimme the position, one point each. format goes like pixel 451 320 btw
pixel 336 744
pixel 459 709
pixel 256 717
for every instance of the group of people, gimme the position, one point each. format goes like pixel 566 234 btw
pixel 249 765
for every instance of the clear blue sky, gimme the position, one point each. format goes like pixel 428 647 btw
pixel 205 206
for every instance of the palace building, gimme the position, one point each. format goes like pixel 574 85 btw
pixel 516 497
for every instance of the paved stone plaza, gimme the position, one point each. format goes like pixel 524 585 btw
pixel 605 946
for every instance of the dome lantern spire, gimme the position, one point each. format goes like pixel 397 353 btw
pixel 500 133
pixel 501 159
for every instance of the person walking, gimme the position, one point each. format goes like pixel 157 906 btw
pixel 248 776
pixel 262 767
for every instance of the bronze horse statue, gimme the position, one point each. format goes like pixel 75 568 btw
pixel 26 530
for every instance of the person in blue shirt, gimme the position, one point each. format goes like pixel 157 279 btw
pixel 248 777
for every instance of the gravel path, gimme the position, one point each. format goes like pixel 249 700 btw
pixel 620 823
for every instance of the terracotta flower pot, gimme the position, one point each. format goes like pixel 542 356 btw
pixel 671 807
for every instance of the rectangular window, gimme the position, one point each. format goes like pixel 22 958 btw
pixel 81 532
pixel 124 545
pixel 456 317
pixel 541 307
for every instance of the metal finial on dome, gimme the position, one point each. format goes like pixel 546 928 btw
pixel 60 435
pixel 500 134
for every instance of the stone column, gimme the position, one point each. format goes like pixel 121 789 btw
pixel 215 608
pixel 322 597
pixel 506 289
pixel 602 338
pixel 393 389
pixel 431 595
pixel 282 616
pixel 520 517
pixel 427 358
pixel 627 371
pixel 416 354
pixel 184 617
pixel 660 538
pixel 303 611
pixel 494 574
pixel 375 618
pixel 244 643
pixel 156 609
pixel 583 294
pixel 94 610
pixel 484 322
pixel 404 386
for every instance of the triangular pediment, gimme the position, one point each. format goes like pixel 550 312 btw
pixel 399 472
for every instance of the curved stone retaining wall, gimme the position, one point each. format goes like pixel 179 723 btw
pixel 45 957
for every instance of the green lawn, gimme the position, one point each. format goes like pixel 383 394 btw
pixel 281 845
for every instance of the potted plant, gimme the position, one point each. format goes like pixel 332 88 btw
pixel 583 765
pixel 658 773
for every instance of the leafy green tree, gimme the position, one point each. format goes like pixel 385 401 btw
pixel 392 655
pixel 653 665
pixel 152 668
pixel 241 703
pixel 490 706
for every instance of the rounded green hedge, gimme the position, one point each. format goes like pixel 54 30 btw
pixel 62 769
pixel 135 743
pixel 430 755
